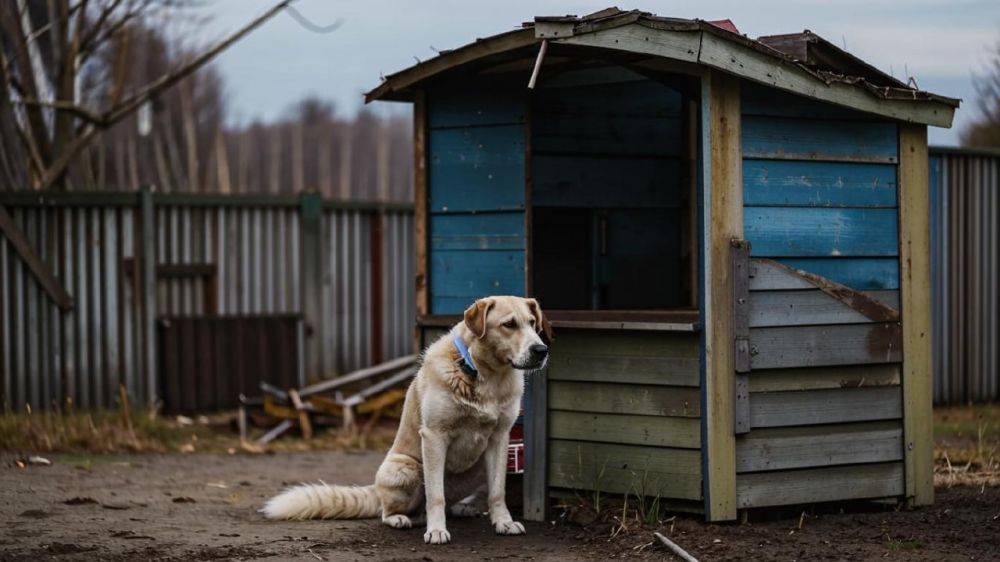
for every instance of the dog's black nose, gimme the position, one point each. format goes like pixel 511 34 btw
pixel 538 350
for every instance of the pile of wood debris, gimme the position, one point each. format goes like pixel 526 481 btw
pixel 324 403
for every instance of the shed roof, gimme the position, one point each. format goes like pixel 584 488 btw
pixel 802 63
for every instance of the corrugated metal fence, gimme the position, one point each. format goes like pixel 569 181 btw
pixel 231 255
pixel 965 270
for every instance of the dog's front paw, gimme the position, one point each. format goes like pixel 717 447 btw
pixel 509 528
pixel 437 536
pixel 398 521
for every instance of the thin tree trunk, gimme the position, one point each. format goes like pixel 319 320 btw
pixel 222 163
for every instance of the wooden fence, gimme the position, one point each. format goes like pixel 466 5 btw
pixel 347 268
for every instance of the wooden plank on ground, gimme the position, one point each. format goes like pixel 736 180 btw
pixel 816 346
pixel 653 431
pixel 810 407
pixel 916 292
pixel 866 481
pixel 614 398
pixel 816 446
pixel 818 378
pixel 621 469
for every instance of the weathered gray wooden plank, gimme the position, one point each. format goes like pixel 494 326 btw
pixel 626 344
pixel 809 407
pixel 809 346
pixel 675 371
pixel 817 378
pixel 616 398
pixel 650 471
pixel 816 446
pixel 866 481
pixel 654 431
pixel 536 435
pixel 765 275
pixel 800 308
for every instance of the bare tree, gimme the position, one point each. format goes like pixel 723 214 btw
pixel 985 131
pixel 50 50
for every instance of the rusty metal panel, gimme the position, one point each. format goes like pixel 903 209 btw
pixel 207 361
pixel 965 257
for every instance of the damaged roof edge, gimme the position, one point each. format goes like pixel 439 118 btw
pixel 713 47
pixel 392 86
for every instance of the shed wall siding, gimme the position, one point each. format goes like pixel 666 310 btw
pixel 623 413
pixel 476 186
pixel 820 195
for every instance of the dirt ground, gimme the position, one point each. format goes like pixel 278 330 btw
pixel 203 507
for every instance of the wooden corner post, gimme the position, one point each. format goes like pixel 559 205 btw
pixel 915 285
pixel 420 206
pixel 722 220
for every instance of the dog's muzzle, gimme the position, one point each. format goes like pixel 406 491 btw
pixel 537 355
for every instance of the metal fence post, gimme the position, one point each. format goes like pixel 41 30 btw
pixel 311 260
pixel 148 249
pixel 377 292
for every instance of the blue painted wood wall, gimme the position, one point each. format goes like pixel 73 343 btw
pixel 820 191
pixel 476 186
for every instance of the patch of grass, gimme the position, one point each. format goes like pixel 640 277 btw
pixel 896 544
pixel 967 445
pixel 103 432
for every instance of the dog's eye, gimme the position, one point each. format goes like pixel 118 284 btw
pixel 510 324
pixel 531 322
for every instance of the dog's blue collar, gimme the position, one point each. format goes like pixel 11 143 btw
pixel 466 364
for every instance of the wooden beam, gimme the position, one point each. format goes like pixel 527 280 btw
pixel 722 192
pixel 536 448
pixel 744 62
pixel 722 54
pixel 915 285
pixel 391 88
pixel 43 273
pixel 420 200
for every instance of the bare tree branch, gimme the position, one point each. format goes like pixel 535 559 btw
pixel 69 151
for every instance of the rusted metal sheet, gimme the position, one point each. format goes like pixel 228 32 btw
pixel 965 274
pixel 225 255
pixel 208 361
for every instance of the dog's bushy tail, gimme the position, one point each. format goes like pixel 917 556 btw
pixel 321 501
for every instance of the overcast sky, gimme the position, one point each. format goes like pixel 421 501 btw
pixel 940 43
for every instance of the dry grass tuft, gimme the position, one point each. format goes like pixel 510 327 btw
pixel 125 431
pixel 967 446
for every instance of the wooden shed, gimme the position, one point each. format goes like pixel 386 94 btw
pixel 730 237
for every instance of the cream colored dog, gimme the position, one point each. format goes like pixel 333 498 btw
pixel 453 433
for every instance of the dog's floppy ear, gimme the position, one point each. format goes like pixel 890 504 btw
pixel 475 316
pixel 542 325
